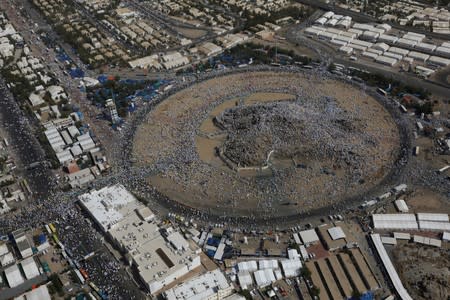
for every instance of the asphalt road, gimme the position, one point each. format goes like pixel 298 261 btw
pixel 328 54
pixel 24 144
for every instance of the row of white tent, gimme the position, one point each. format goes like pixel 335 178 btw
pixel 269 270
pixel 423 221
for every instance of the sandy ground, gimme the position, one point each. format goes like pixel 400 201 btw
pixel 423 200
pixel 424 270
pixel 170 140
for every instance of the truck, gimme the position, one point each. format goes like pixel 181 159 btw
pixel 382 92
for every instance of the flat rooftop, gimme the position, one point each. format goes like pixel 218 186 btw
pixel 109 205
pixel 200 287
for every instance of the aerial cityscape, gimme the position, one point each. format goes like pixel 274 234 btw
pixel 233 149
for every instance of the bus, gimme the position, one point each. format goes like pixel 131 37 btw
pixel 48 229
pixel 84 273
pixel 98 291
pixel 382 92
pixel 443 169
pixel 55 238
pixel 57 241
pixel 52 227
pixel 79 276
pixel 403 108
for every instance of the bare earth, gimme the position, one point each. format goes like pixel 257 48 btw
pixel 345 146
pixel 424 270
pixel 424 200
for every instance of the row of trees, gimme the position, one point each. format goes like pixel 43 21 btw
pixel 297 13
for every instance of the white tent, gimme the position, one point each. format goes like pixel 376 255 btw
pixel 268 264
pixel 309 236
pixel 247 266
pixel 264 277
pixel 401 206
pixel 13 276
pixel 245 279
pixel 291 267
pixel 30 268
pixel 336 233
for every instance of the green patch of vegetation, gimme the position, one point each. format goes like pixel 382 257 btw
pixel 246 294
pixel 266 55
pixel 6 183
pixel 315 291
pixel 397 87
pixel 305 272
pixel 22 87
pixel 3 160
pixel 56 284
pixel 121 90
pixel 297 13
pixel 356 294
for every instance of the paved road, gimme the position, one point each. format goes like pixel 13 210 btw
pixel 23 288
pixel 24 144
pixel 328 55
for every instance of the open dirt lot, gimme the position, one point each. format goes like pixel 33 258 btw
pixel 424 270
pixel 424 200
pixel 266 143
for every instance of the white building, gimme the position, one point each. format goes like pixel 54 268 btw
pixel 13 276
pixel 22 243
pixel 56 93
pixel 291 267
pixel 160 256
pixel 30 268
pixel 401 206
pixel 109 205
pixel 40 293
pixel 210 286
pixel 173 60
pixel 245 279
pixel 395 221
pixel 336 233
pixel 209 49
pixel 146 62
pixel 264 277
pixel 309 236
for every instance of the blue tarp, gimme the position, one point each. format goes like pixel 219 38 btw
pixel 42 238
pixel 76 73
pixel 148 97
pixel 102 78
pixel 129 81
pixel 132 107
pixel 213 242
pixel 62 57
pixel 210 253
pixel 366 296
pixel 226 58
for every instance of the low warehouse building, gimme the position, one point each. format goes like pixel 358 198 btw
pixel 386 60
pixel 401 206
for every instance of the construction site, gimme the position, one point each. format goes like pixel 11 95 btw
pixel 266 143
